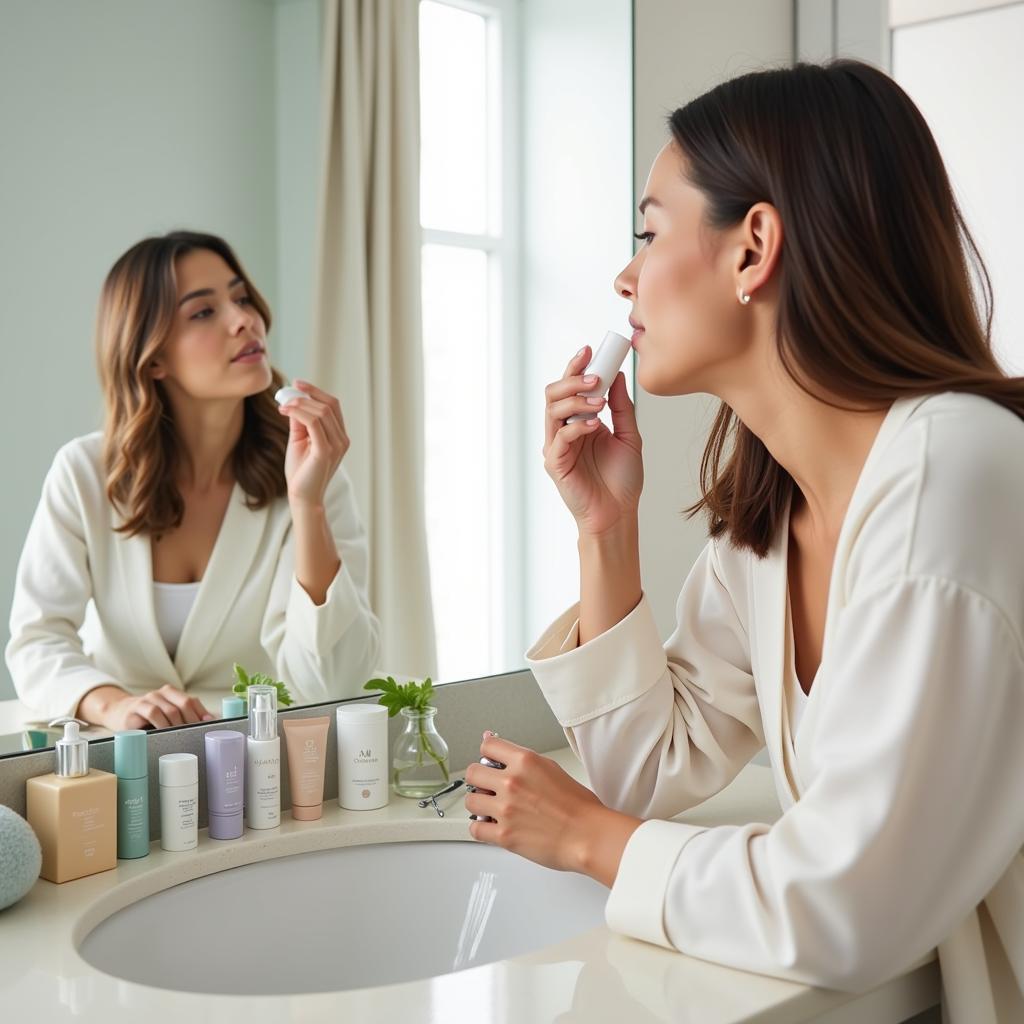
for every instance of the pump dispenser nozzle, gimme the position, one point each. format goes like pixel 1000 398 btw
pixel 262 712
pixel 72 753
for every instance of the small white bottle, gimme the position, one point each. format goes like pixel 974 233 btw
pixel 179 802
pixel 263 760
pixel 362 756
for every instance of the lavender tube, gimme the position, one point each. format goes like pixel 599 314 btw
pixel 225 783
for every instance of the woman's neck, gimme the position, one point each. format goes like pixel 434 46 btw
pixel 208 431
pixel 822 448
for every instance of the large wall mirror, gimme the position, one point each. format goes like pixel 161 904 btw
pixel 125 119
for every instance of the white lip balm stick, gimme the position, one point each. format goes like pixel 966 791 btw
pixel 610 355
pixel 286 394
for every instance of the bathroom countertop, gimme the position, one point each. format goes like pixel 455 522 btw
pixel 595 977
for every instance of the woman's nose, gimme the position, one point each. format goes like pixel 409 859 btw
pixel 243 319
pixel 626 282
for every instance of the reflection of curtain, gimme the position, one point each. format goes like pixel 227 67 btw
pixel 366 317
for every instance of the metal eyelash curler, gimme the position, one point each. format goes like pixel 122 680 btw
pixel 441 792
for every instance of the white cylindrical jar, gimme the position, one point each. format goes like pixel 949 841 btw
pixel 362 756
pixel 179 802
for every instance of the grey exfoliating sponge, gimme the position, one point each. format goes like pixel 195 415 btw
pixel 20 857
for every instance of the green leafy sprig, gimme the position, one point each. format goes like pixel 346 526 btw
pixel 243 681
pixel 396 696
pixel 416 696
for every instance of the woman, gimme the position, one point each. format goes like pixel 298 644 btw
pixel 859 607
pixel 205 525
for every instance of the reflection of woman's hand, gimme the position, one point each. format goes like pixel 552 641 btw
pixel 544 815
pixel 317 443
pixel 599 472
pixel 159 709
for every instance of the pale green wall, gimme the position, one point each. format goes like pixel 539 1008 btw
pixel 122 118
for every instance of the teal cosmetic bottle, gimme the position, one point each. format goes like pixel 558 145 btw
pixel 130 767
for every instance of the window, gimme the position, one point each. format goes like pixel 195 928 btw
pixel 471 367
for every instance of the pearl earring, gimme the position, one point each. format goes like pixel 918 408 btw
pixel 744 297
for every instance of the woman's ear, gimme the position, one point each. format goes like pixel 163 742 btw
pixel 156 370
pixel 760 248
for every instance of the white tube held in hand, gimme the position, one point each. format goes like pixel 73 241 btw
pixel 610 355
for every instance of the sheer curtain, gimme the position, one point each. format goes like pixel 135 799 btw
pixel 366 318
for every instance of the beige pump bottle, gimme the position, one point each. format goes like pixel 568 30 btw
pixel 74 813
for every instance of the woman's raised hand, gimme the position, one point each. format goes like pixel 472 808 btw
pixel 598 472
pixel 317 443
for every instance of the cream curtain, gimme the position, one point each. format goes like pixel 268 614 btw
pixel 366 317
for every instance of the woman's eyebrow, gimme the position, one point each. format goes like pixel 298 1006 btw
pixel 648 201
pixel 206 291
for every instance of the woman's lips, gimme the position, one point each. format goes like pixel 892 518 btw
pixel 637 334
pixel 252 357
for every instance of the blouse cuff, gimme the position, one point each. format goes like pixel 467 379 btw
pixel 636 904
pixel 580 683
pixel 318 628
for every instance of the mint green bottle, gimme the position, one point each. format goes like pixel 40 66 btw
pixel 131 769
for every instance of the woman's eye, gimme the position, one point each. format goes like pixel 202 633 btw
pixel 244 298
pixel 644 236
pixel 201 315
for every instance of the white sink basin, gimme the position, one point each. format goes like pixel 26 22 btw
pixel 354 917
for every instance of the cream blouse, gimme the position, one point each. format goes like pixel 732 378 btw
pixel 899 776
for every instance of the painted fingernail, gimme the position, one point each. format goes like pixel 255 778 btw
pixel 592 423
pixel 590 379
pixel 595 401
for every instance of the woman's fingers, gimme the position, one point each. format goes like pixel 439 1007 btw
pixel 183 702
pixel 328 399
pixel 312 420
pixel 623 411
pixel 152 712
pixel 575 406
pixel 559 458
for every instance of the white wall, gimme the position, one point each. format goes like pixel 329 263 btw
pixel 681 51
pixel 966 76
pixel 122 118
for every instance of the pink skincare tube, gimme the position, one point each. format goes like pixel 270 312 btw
pixel 306 740
pixel 610 355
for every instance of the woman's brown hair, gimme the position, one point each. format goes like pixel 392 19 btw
pixel 141 445
pixel 875 288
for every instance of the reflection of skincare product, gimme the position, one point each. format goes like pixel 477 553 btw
pixel 607 359
pixel 232 707
pixel 131 769
pixel 262 760
pixel 288 394
pixel 74 813
pixel 225 782
pixel 362 756
pixel 306 740
pixel 179 802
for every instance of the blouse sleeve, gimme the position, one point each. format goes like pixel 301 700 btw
pixel 52 588
pixel 325 652
pixel 913 815
pixel 658 728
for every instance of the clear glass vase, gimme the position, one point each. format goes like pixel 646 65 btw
pixel 419 766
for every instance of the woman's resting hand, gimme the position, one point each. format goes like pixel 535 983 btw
pixel 114 709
